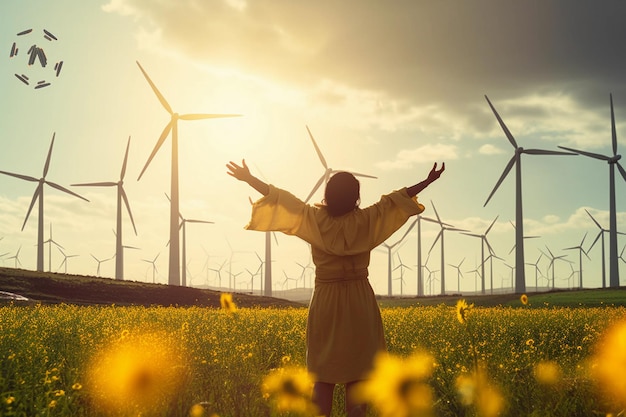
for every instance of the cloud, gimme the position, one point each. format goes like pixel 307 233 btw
pixel 405 159
pixel 489 149
pixel 420 52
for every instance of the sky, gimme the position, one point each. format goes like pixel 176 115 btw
pixel 386 88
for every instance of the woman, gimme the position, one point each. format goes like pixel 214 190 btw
pixel 344 326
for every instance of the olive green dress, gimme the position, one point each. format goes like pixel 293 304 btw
pixel 344 326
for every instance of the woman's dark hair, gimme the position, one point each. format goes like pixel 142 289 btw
pixel 342 194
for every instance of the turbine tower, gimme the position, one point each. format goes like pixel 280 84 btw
pixel 121 196
pixel 327 171
pixel 444 227
pixel 613 162
pixel 520 277
pixel 580 260
pixel 172 126
pixel 38 195
pixel 389 257
pixel 483 242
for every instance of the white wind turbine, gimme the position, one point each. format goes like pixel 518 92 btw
pixel 537 270
pixel 600 235
pixel 51 241
pixel 17 257
pixel 553 260
pixel 402 267
pixel 420 273
pixel 483 242
pixel 65 258
pixel 580 260
pixel 613 162
pixel 174 256
pixel 154 267
pixel 440 235
pixel 38 195
pixel 121 196
pixel 520 277
pixel 459 274
pixel 183 227
pixel 327 171
pixel 389 248
pixel 99 261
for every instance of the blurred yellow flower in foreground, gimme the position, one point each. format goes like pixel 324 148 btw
pixel 227 303
pixel 475 390
pixel 136 375
pixel 290 389
pixel 547 373
pixel 398 387
pixel 462 310
pixel 609 363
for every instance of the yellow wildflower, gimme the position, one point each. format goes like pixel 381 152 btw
pixel 398 387
pixel 77 386
pixel 227 303
pixel 476 390
pixel 462 310
pixel 52 404
pixel 547 372
pixel 9 400
pixel 610 362
pixel 524 299
pixel 290 390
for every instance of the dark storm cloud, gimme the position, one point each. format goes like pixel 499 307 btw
pixel 424 52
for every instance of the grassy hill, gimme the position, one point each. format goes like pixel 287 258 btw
pixel 48 287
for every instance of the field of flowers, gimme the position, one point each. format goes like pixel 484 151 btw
pixel 129 361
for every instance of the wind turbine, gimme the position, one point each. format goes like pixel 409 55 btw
pixel 65 258
pixel 50 242
pixel 580 260
pixel 520 277
pixel 460 274
pixel 401 278
pixel 17 257
pixel 183 227
pixel 218 271
pixel 483 242
pixel 327 171
pixel 537 270
pixel 121 196
pixel 420 274
pixel 613 162
pixel 174 259
pixel 389 258
pixel 154 267
pixel 39 195
pixel 444 227
pixel 100 261
pixel 552 262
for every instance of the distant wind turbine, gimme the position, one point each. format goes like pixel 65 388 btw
pixel 174 259
pixel 554 258
pixel 100 261
pixel 50 242
pixel 39 195
pixel 17 257
pixel 121 196
pixel 613 162
pixel 154 267
pixel 520 277
pixel 389 248
pixel 580 260
pixel 420 273
pixel 327 171
pixel 443 227
pixel 537 270
pixel 483 242
pixel 402 267
pixel 459 274
pixel 65 258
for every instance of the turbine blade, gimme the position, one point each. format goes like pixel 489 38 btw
pixel 47 165
pixel 317 185
pixel 504 128
pixel 435 241
pixel 123 172
pixel 594 241
pixel 589 154
pixel 65 190
pixel 23 177
pixel 130 214
pixel 491 225
pixel 206 116
pixel 613 132
pixel 199 221
pixel 164 102
pixel 502 177
pixel 356 174
pixel 317 149
pixel 621 170
pixel 436 214
pixel 32 203
pixel 545 152
pixel 594 220
pixel 95 184
pixel 162 138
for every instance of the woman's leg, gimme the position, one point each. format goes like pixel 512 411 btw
pixel 354 408
pixel 323 397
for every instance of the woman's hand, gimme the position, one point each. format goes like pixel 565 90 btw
pixel 434 174
pixel 242 173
